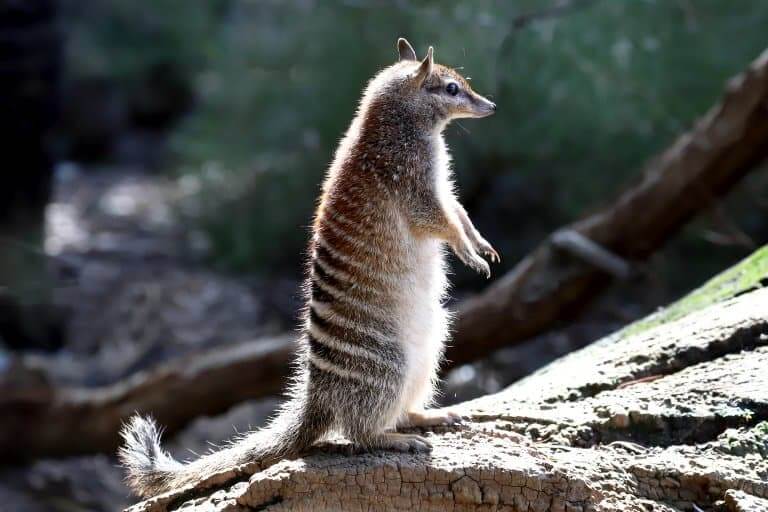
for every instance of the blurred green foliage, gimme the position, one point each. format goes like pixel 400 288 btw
pixel 121 39
pixel 585 97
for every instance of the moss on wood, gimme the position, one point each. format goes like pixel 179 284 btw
pixel 749 274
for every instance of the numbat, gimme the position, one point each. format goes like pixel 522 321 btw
pixel 375 324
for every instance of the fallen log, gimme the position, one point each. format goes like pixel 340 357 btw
pixel 669 414
pixel 545 288
pixel 38 418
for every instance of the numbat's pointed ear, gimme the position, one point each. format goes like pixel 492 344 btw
pixel 405 50
pixel 425 69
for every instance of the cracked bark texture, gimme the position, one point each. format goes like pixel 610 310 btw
pixel 668 414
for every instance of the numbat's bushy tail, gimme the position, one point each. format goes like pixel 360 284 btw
pixel 374 325
pixel 151 470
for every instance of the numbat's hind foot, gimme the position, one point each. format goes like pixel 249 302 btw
pixel 431 418
pixel 403 442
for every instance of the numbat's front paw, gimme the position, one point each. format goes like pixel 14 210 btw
pixel 473 260
pixel 486 249
pixel 481 266
pixel 431 418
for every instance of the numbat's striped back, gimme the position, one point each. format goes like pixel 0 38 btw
pixel 374 326
pixel 352 324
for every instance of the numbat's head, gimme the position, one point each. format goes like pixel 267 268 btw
pixel 423 92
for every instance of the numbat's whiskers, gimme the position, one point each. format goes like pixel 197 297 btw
pixel 374 326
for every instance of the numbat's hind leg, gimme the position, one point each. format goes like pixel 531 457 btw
pixel 402 442
pixel 431 418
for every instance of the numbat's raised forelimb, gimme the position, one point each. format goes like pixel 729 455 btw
pixel 375 324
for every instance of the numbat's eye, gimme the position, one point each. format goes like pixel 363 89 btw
pixel 452 89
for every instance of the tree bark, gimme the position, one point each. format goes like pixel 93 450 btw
pixel 669 414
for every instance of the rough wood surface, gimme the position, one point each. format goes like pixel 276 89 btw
pixel 739 501
pixel 669 414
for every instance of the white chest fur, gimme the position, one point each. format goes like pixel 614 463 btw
pixel 423 323
pixel 423 319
